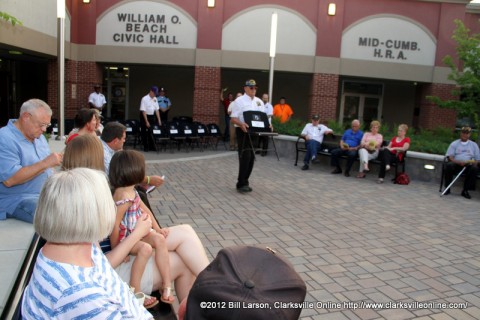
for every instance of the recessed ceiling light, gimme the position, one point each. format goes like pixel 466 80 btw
pixel 15 52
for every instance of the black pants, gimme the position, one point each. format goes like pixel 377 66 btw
pixel 147 137
pixel 246 157
pixel 385 157
pixel 263 143
pixel 470 175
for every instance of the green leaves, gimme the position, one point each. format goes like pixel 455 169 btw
pixel 5 16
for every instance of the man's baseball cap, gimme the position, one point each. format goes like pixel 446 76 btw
pixel 161 89
pixel 315 117
pixel 466 129
pixel 250 83
pixel 246 282
pixel 154 89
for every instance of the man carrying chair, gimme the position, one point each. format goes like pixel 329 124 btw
pixel 246 154
pixel 464 156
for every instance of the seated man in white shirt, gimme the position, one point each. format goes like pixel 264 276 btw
pixel 313 134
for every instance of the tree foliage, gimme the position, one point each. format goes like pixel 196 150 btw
pixel 465 72
pixel 5 16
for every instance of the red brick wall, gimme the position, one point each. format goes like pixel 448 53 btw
pixel 432 116
pixel 324 96
pixel 205 97
pixel 80 73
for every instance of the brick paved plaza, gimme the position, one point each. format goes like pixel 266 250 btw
pixel 351 240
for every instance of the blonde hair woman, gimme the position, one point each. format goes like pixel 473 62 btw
pixel 394 152
pixel 369 147
pixel 72 278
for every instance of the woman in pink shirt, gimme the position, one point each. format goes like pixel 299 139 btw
pixel 369 147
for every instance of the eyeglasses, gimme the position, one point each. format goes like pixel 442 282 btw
pixel 253 88
pixel 41 124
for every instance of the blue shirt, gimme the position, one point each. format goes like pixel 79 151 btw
pixel 464 151
pixel 163 102
pixel 351 138
pixel 107 156
pixel 65 291
pixel 17 152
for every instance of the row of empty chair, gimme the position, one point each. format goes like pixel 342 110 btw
pixel 177 135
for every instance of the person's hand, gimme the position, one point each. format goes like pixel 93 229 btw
pixel 147 124
pixel 164 232
pixel 156 181
pixel 244 127
pixel 144 225
pixel 54 159
pixel 225 89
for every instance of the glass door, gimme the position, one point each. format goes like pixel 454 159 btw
pixel 362 101
pixel 117 93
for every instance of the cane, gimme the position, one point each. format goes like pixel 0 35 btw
pixel 456 178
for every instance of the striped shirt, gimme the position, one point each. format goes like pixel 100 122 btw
pixel 64 291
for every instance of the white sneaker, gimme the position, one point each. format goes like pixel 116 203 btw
pixel 387 167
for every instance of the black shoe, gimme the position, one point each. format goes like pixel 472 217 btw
pixel 466 195
pixel 347 174
pixel 336 171
pixel 305 167
pixel 447 192
pixel 244 189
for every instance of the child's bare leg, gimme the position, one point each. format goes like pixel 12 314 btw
pixel 143 252
pixel 162 261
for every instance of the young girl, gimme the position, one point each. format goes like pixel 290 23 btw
pixel 127 168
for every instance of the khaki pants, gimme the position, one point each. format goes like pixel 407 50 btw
pixel 232 136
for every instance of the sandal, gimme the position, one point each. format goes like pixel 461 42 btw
pixel 361 175
pixel 153 302
pixel 167 292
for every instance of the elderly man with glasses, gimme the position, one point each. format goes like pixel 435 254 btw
pixel 26 160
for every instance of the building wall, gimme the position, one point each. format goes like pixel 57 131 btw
pixel 195 74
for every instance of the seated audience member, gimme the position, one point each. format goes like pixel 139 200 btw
pixel 349 145
pixel 84 152
pixel 85 123
pixel 72 278
pixel 186 253
pixel 313 134
pixel 394 152
pixel 463 153
pixel 245 276
pixel 26 160
pixel 113 138
pixel 369 147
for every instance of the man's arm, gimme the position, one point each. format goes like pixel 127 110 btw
pixel 27 173
pixel 239 123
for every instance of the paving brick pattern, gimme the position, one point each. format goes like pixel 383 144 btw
pixel 353 241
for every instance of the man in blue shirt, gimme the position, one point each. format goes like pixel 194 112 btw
pixel 26 160
pixel 164 104
pixel 349 145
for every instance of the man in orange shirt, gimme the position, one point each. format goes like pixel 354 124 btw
pixel 282 111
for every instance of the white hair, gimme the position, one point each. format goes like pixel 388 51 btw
pixel 75 206
pixel 32 105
